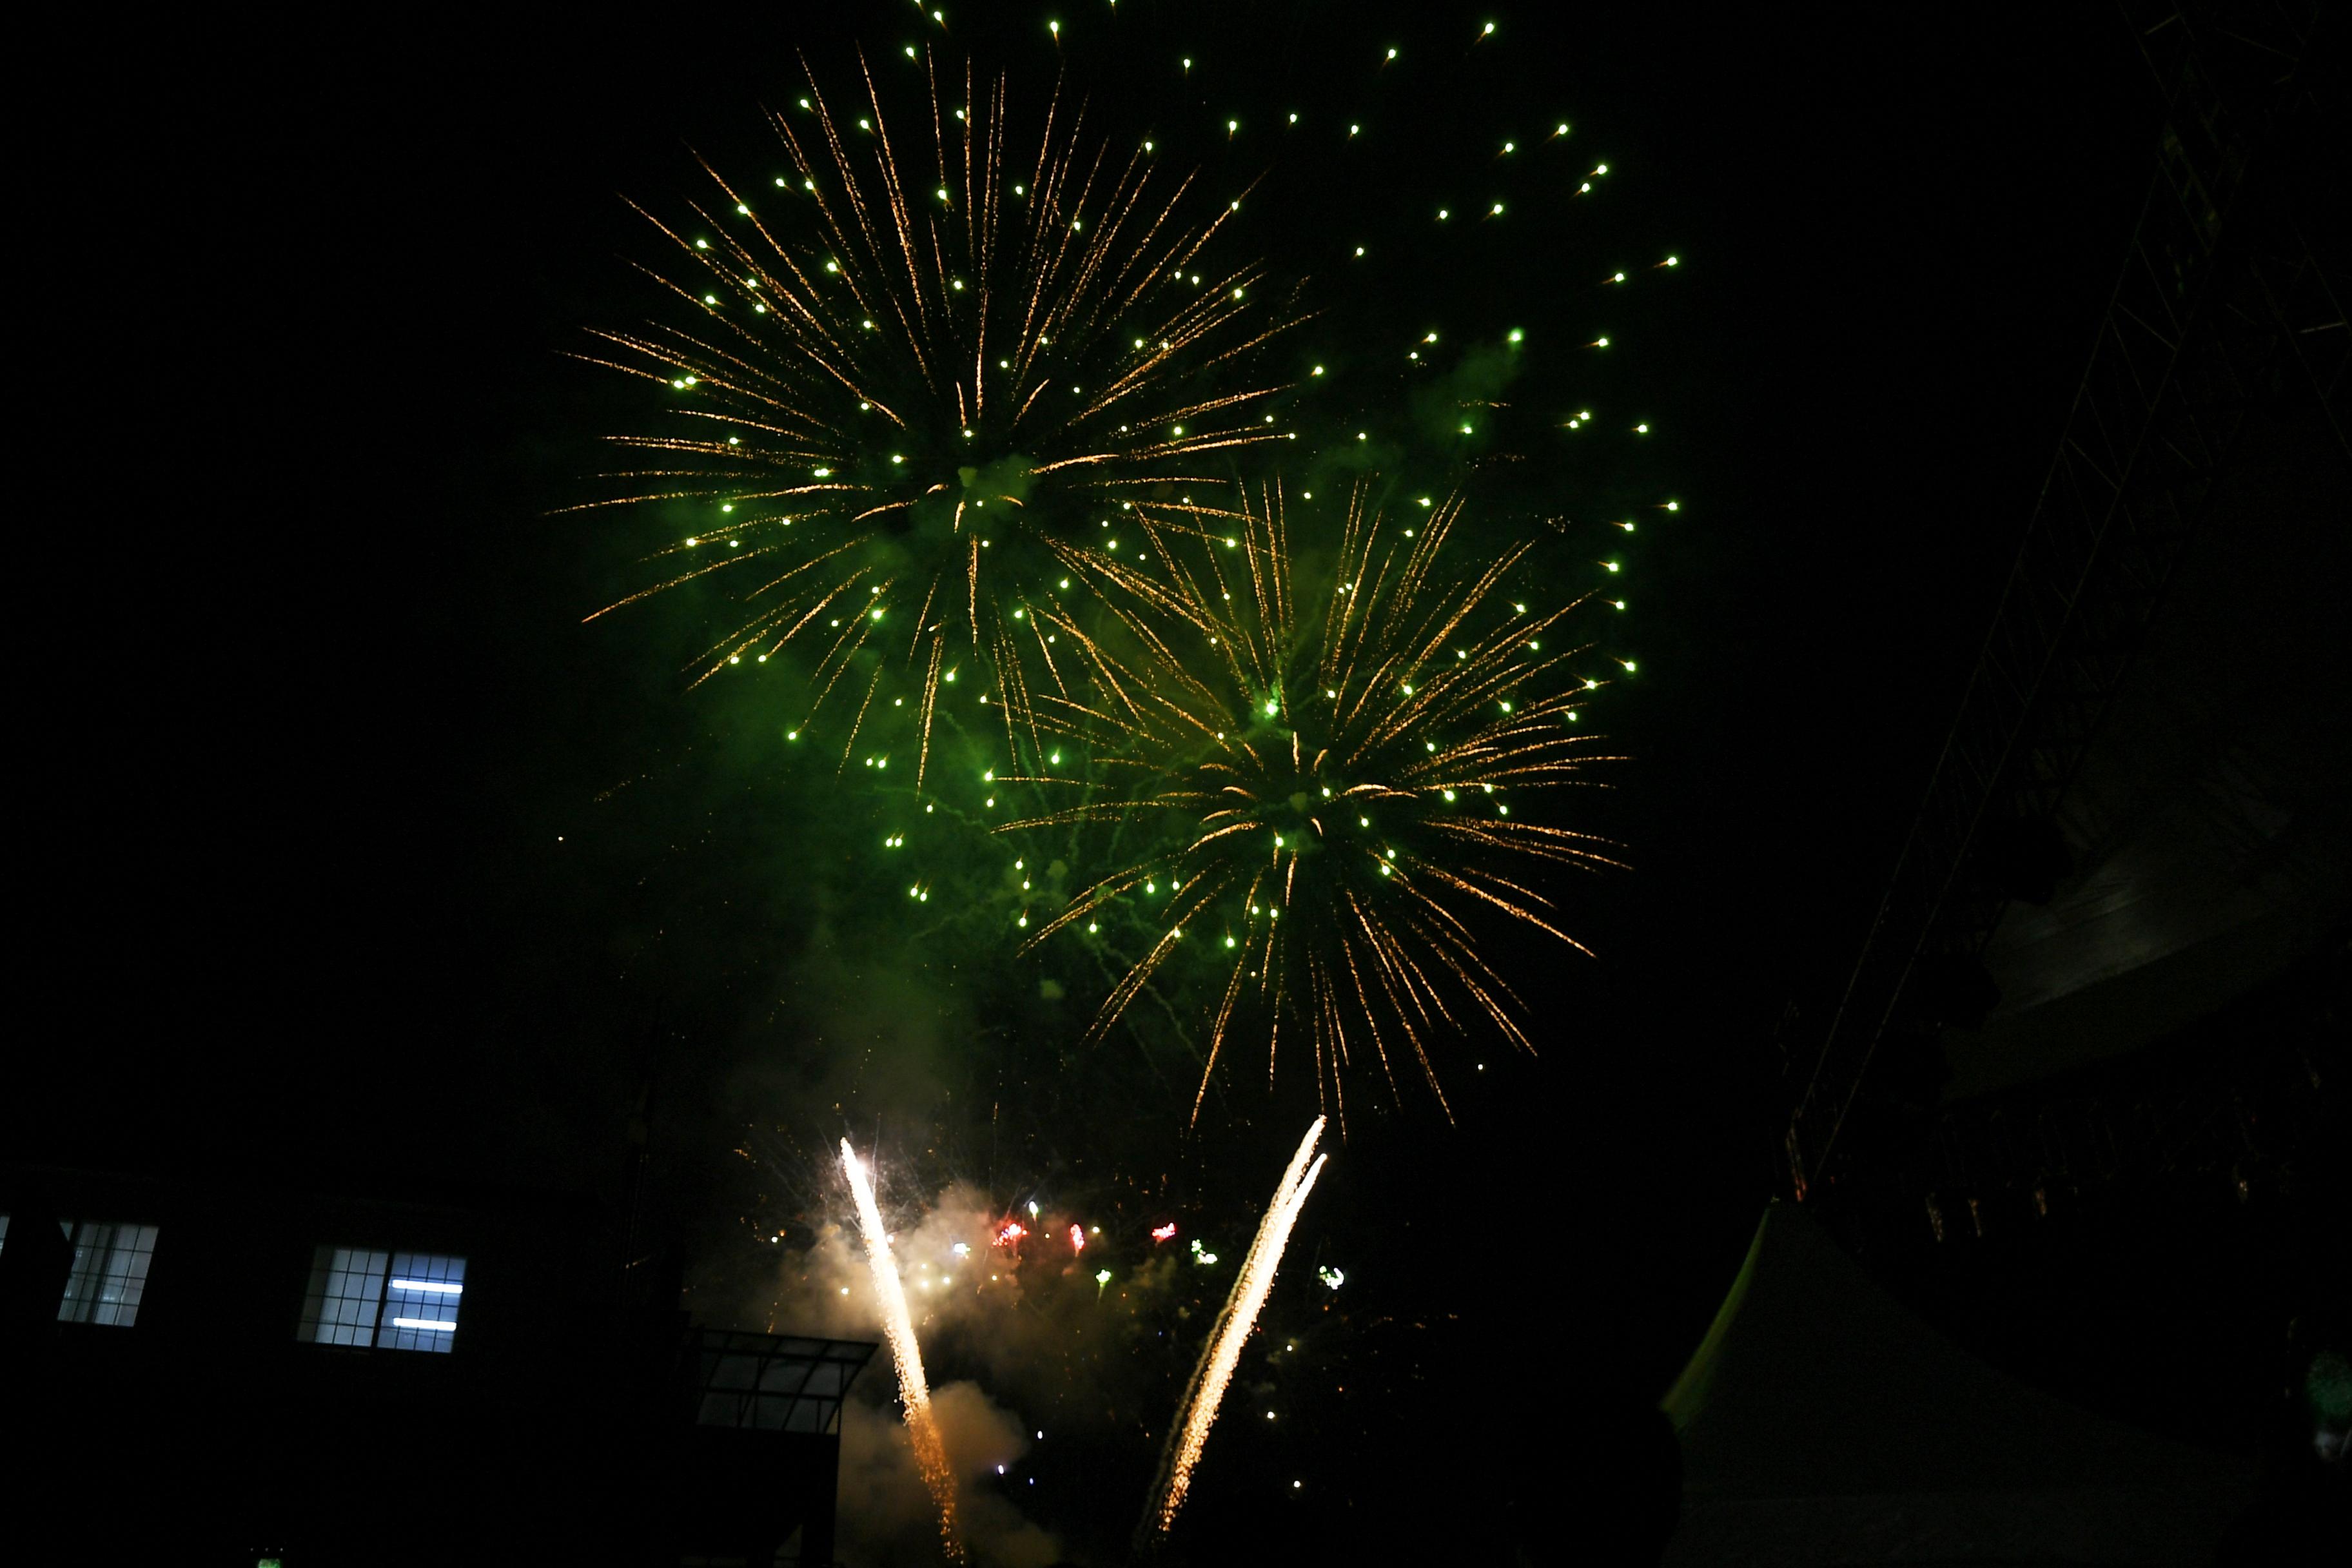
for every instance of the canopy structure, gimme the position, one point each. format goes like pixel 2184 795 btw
pixel 1821 1424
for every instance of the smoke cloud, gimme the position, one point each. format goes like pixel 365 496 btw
pixel 886 1515
pixel 1020 1336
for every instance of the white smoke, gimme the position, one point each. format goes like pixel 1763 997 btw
pixel 886 1516
pixel 1007 1315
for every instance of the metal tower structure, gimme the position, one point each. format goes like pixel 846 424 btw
pixel 2225 303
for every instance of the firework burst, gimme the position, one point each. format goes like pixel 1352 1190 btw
pixel 1330 798
pixel 912 375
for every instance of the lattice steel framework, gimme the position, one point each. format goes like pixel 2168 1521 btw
pixel 770 1383
pixel 2223 304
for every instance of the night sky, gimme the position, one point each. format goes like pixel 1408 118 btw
pixel 311 704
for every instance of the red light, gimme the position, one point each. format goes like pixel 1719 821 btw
pixel 1164 1232
pixel 1013 1232
pixel 1077 1238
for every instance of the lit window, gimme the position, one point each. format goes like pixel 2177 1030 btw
pixel 398 1300
pixel 420 1302
pixel 346 1294
pixel 109 1273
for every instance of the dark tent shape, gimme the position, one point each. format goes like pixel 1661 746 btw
pixel 1822 1424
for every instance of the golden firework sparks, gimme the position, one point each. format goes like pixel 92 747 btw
pixel 1329 797
pixel 1206 1391
pixel 898 1328
pixel 911 376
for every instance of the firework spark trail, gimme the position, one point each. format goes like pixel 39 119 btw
pixel 931 1455
pixel 1207 1390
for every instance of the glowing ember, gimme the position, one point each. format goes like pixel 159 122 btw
pixel 1077 1238
pixel 1012 1231
pixel 1164 1232
pixel 931 1457
pixel 1191 1432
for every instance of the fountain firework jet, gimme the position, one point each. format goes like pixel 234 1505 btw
pixel 931 1455
pixel 1207 1390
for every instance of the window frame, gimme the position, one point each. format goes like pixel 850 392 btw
pixel 131 1281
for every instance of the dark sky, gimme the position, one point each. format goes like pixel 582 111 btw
pixel 311 701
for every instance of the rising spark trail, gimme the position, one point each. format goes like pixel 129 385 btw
pixel 1207 1391
pixel 931 1455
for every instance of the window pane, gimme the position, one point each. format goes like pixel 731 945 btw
pixel 346 1290
pixel 420 1301
pixel 110 1273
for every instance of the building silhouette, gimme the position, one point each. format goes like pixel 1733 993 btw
pixel 219 1374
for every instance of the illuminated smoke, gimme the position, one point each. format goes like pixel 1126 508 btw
pixel 1207 1391
pixel 931 1455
